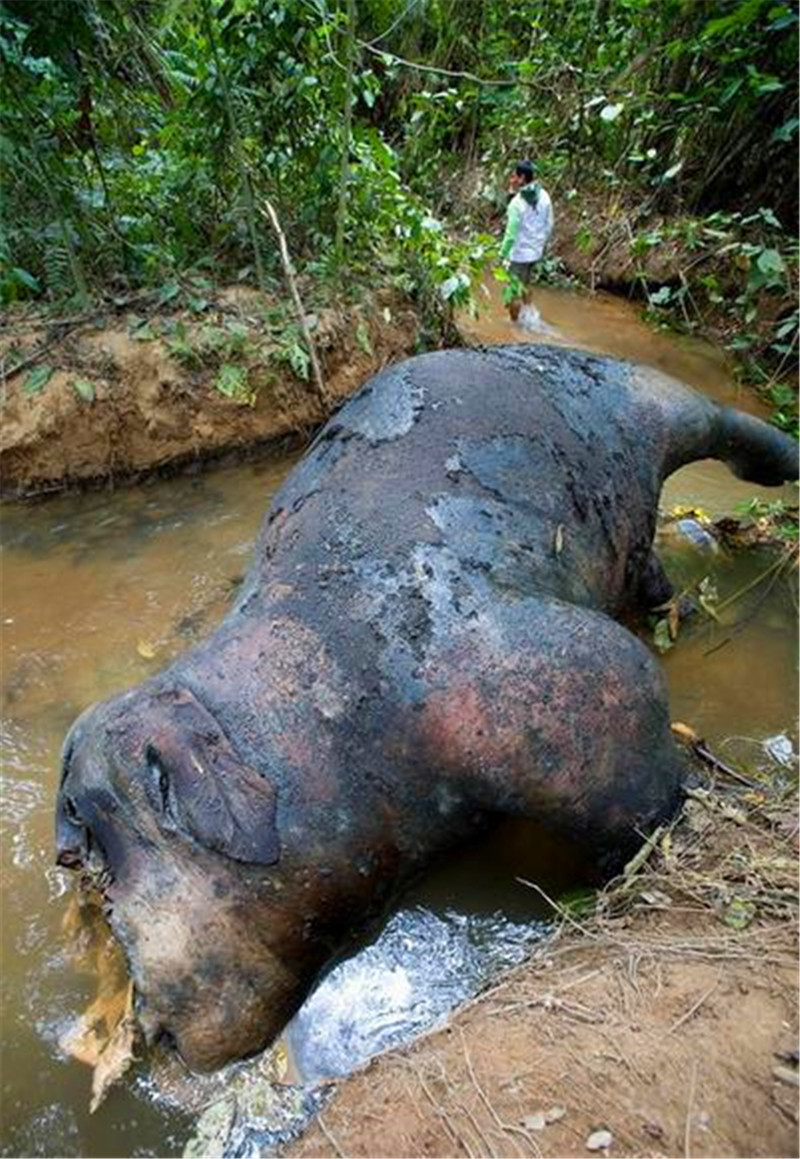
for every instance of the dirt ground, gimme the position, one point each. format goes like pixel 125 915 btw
pixel 121 402
pixel 666 1020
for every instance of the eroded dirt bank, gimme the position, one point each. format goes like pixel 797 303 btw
pixel 147 390
pixel 667 1020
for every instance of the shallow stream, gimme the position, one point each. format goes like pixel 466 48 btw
pixel 101 590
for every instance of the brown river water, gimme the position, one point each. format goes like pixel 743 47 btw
pixel 100 590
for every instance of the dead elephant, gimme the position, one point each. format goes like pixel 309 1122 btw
pixel 425 639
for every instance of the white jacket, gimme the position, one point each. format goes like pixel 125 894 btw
pixel 528 226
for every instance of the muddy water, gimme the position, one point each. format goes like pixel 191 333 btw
pixel 99 591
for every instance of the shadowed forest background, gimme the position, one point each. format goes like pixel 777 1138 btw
pixel 141 140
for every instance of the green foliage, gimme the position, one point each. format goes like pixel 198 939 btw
pixel 137 139
pixel 37 380
pixel 775 515
pixel 292 352
pixel 232 381
pixel 783 399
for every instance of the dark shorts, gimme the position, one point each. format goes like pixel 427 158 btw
pixel 523 271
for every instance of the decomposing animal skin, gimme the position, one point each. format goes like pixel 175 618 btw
pixel 425 638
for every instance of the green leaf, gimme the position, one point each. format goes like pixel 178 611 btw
pixel 84 389
pixel 579 902
pixel 739 913
pixel 168 293
pixel 299 360
pixel 232 382
pixel 769 218
pixel 37 380
pixel 362 337
pixel 25 279
pixel 743 15
pixel 770 262
pixel 661 636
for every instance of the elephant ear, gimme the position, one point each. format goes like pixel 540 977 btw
pixel 198 785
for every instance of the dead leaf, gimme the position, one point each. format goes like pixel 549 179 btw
pixel 117 1056
pixel 146 650
pixel 674 620
pixel 683 733
pixel 697 816
pixel 105 1035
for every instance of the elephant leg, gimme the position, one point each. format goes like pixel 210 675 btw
pixel 655 587
pixel 556 712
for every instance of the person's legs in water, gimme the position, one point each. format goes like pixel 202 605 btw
pixel 523 272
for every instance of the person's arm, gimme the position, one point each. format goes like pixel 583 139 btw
pixel 549 221
pixel 514 217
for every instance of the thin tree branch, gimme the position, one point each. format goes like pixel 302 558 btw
pixel 319 385
pixel 437 71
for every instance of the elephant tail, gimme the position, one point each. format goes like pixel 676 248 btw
pixel 754 450
pixel 751 448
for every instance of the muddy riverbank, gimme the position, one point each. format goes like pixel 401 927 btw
pixel 157 387
pixel 153 386
pixel 666 1020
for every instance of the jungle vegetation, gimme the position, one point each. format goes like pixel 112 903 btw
pixel 142 140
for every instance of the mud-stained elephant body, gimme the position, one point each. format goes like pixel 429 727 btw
pixel 425 638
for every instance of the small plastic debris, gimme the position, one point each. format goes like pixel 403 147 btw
pixel 599 1140
pixel 535 1122
pixel 785 1074
pixel 656 899
pixel 780 749
pixel 694 532
pixel 554 1114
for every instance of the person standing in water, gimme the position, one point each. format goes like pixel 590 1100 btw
pixel 529 223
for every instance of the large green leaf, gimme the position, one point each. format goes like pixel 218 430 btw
pixel 37 380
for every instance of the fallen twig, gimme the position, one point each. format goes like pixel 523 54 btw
pixel 695 1006
pixel 639 858
pixel 559 909
pixel 330 1137
pixel 505 1128
pixel 687 1134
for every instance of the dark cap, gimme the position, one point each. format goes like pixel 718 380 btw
pixel 525 169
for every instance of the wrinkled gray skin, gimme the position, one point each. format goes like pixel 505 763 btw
pixel 425 638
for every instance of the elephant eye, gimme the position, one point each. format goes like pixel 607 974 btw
pixel 159 778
